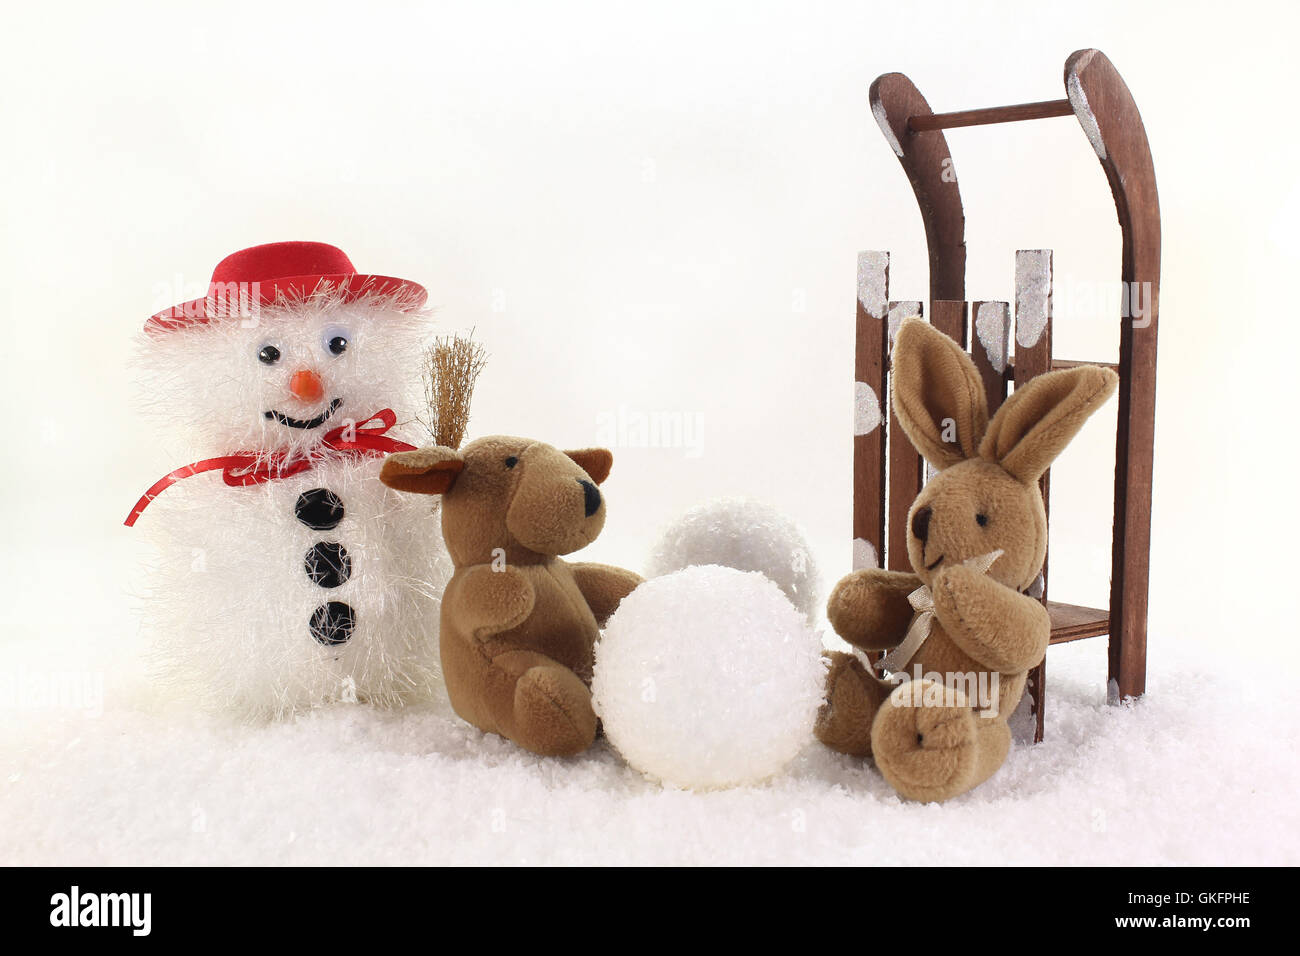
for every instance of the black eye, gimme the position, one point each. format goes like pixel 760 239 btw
pixel 269 355
pixel 981 520
pixel 338 345
pixel 512 461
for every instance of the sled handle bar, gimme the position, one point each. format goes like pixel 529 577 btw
pixel 990 115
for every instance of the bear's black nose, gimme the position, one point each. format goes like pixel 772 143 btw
pixel 921 522
pixel 591 495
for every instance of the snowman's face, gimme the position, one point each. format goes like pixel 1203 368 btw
pixel 281 382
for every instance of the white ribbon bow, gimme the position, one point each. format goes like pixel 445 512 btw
pixel 922 602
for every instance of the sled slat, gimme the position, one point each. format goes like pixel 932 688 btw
pixel 904 462
pixel 870 423
pixel 949 317
pixel 990 341
pixel 1034 357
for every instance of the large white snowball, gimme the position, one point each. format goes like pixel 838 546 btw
pixel 745 534
pixel 708 678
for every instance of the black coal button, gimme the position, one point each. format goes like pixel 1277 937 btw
pixel 319 509
pixel 328 564
pixel 332 623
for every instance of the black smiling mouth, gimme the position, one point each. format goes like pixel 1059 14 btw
pixel 937 561
pixel 316 422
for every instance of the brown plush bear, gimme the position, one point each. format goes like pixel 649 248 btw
pixel 518 624
pixel 978 538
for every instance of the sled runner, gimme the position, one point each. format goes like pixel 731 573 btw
pixel 1099 99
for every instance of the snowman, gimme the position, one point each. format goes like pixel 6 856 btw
pixel 288 576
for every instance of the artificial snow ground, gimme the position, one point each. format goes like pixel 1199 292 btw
pixel 1197 772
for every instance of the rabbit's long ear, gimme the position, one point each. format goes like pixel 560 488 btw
pixel 938 396
pixel 1035 424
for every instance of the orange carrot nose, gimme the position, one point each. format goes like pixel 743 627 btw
pixel 307 385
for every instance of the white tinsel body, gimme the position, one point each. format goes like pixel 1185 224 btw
pixel 231 602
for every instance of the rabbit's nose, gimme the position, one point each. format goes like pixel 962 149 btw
pixel 921 522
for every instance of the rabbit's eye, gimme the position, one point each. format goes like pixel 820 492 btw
pixel 981 520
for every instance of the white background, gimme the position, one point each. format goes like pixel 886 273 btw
pixel 656 207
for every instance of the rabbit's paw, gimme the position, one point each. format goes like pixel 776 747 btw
pixel 965 592
pixel 852 698
pixel 999 628
pixel 926 741
pixel 869 607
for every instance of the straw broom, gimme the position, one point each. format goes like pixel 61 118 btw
pixel 451 366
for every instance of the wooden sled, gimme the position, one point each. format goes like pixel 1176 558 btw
pixel 1098 98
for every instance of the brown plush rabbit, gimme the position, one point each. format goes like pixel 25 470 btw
pixel 978 538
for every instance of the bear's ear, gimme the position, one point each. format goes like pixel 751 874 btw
pixel 596 462
pixel 425 471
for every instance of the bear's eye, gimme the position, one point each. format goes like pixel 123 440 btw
pixel 981 519
pixel 512 461
pixel 268 355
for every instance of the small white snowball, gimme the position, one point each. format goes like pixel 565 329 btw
pixel 744 534
pixel 708 678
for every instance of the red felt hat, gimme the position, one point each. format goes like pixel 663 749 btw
pixel 262 274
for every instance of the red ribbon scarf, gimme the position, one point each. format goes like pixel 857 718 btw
pixel 245 468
